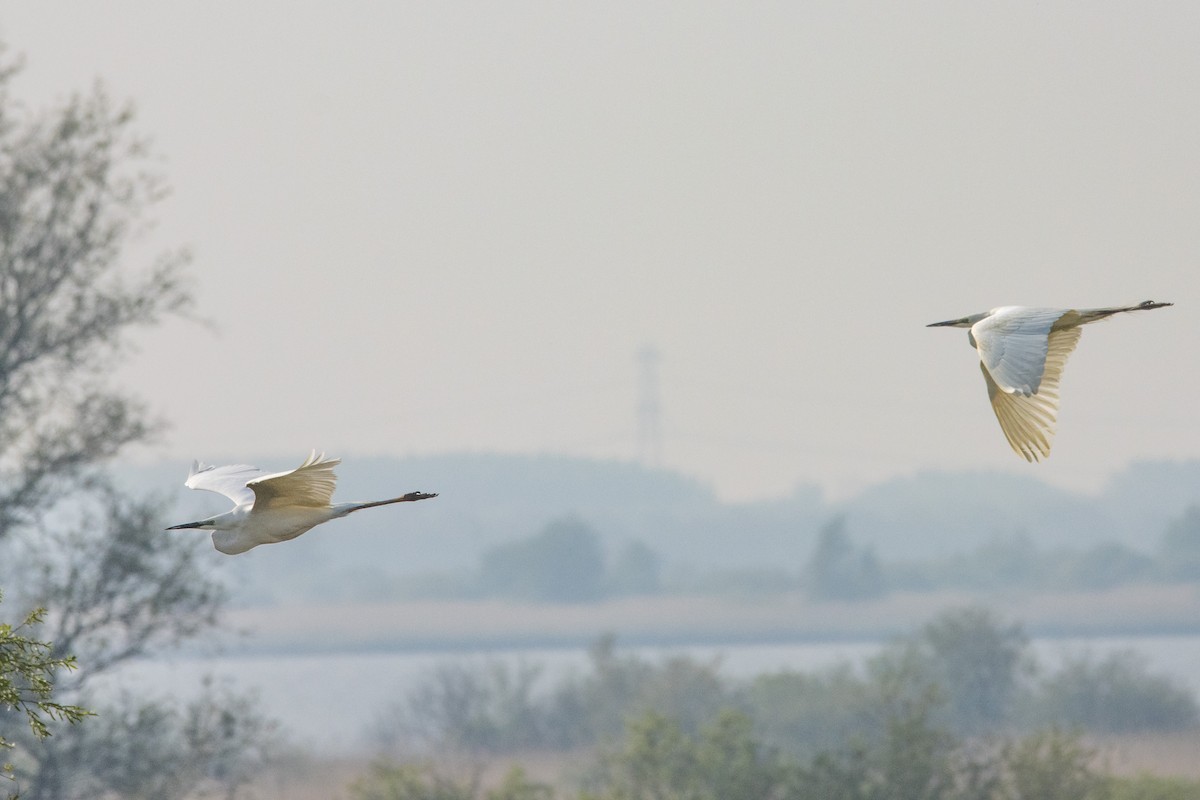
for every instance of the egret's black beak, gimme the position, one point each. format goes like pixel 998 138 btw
pixel 944 324
pixel 185 525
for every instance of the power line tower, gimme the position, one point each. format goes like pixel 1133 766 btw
pixel 649 411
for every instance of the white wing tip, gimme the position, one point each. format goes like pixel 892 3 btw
pixel 315 457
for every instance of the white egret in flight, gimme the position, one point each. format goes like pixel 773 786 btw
pixel 1022 352
pixel 274 507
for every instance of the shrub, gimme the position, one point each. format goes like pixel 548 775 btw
pixel 1116 694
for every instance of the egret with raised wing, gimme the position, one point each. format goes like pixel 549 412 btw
pixel 274 507
pixel 1022 352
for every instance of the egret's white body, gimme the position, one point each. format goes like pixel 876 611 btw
pixel 271 508
pixel 1022 352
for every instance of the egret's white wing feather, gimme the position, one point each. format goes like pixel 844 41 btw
pixel 229 480
pixel 1028 421
pixel 1012 345
pixel 310 484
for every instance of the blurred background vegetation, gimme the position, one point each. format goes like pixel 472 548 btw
pixel 958 708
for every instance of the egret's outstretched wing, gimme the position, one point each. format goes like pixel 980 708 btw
pixel 1028 421
pixel 1012 345
pixel 229 480
pixel 310 484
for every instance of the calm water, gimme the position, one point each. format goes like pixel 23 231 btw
pixel 325 702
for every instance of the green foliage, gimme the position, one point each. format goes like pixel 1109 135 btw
pixel 839 571
pixel 1115 694
pixel 911 759
pixel 906 758
pixel 803 713
pixel 517 786
pixel 27 668
pixel 121 589
pixel 1153 787
pixel 390 781
pixel 1052 764
pixel 914 759
pixel 659 760
pixel 564 563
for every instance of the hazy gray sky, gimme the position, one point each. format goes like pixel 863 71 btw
pixel 449 227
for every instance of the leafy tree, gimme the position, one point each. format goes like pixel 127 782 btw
pixel 590 708
pixel 493 708
pixel 912 759
pixel 564 563
pixel 659 760
pixel 75 185
pixel 804 713
pixel 915 759
pixel 120 591
pixel 487 708
pixel 1115 694
pixel 147 747
pixel 1051 764
pixel 969 658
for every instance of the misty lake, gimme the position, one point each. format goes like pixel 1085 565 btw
pixel 326 702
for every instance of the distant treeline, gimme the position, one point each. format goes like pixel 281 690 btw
pixel 566 562
pixel 840 570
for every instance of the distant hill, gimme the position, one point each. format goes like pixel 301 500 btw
pixel 487 499
pixel 932 514
pixel 937 513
